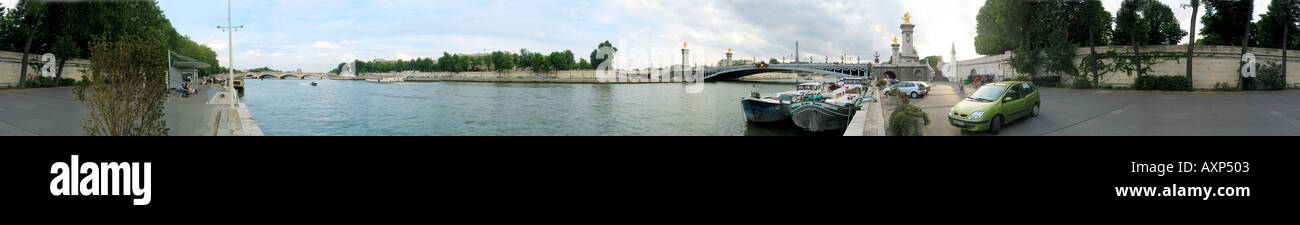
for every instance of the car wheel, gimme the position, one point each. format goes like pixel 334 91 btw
pixel 914 95
pixel 1035 111
pixel 996 125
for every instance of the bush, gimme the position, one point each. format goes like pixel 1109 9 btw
pixel 1163 83
pixel 1270 78
pixel 126 89
pixel 1081 82
pixel 42 81
pixel 1047 81
pixel 903 122
pixel 1223 86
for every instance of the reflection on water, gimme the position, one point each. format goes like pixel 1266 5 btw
pixel 294 107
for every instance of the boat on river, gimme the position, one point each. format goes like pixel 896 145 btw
pixel 829 108
pixel 385 80
pixel 773 107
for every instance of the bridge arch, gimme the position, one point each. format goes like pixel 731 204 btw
pixel 264 76
pixel 287 76
pixel 734 73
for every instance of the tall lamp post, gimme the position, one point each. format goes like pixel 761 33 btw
pixel 230 31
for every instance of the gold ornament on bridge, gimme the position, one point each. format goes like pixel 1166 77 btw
pixel 895 39
pixel 684 44
pixel 728 50
pixel 907 18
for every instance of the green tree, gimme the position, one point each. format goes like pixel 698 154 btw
pixel 1225 22
pixel 1097 22
pixel 583 64
pixel 595 61
pixel 1146 22
pixel 1000 26
pixel 773 61
pixel 1273 24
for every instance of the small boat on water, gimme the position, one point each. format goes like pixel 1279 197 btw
pixel 775 107
pixel 313 84
pixel 385 80
pixel 831 107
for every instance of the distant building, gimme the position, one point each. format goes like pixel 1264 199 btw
pixel 723 62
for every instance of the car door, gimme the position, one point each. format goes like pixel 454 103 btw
pixel 1013 108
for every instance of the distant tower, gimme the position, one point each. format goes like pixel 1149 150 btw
pixel 894 58
pixel 686 53
pixel 729 63
pixel 955 66
pixel 796 52
pixel 908 53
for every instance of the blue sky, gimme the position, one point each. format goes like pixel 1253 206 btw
pixel 316 35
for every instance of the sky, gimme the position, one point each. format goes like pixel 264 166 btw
pixel 317 35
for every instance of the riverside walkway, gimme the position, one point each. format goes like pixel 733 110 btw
pixel 56 112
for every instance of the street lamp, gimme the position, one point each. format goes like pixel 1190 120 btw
pixel 231 38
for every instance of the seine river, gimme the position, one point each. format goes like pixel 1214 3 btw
pixel 347 108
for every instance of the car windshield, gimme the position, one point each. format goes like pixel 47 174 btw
pixel 988 93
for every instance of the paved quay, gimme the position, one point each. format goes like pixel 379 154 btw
pixel 1071 112
pixel 56 112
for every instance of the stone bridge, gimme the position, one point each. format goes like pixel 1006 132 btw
pixel 282 75
pixel 902 72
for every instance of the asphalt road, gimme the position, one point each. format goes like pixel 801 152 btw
pixel 1068 112
pixel 56 112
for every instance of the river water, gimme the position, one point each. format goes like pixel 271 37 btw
pixel 347 108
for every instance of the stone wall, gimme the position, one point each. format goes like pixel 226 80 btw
pixel 1212 64
pixel 10 70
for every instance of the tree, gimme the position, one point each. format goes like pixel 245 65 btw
pixel 1191 43
pixel 1000 26
pixel 126 89
pixel 773 61
pixel 595 62
pixel 1145 22
pixel 583 64
pixel 1224 21
pixel 1273 24
pixel 27 16
pixel 1097 21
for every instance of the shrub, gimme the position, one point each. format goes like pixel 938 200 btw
pixel 903 122
pixel 1081 82
pixel 49 82
pixel 1047 81
pixel 126 90
pixel 1270 77
pixel 1223 86
pixel 1163 83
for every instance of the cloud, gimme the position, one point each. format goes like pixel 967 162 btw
pixel 347 42
pixel 404 56
pixel 216 44
pixel 277 54
pixel 324 45
pixel 252 53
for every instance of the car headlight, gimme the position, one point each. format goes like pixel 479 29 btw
pixel 952 111
pixel 976 115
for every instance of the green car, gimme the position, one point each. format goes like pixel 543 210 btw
pixel 994 105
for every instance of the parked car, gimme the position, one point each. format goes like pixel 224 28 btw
pixel 995 105
pixel 910 89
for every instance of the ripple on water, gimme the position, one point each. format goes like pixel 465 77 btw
pixel 452 108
